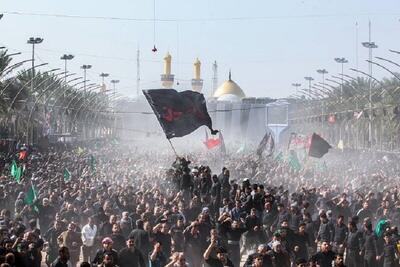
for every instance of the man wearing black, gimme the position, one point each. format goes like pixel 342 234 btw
pixel 141 238
pixel 130 256
pixel 63 258
pixel 370 247
pixel 301 243
pixel 262 251
pixel 221 260
pixel 339 235
pixel 353 246
pixel 325 257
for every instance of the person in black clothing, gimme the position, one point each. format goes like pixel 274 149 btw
pixel 301 242
pixel 161 235
pixel 225 185
pixel 390 253
pixel 233 233
pixel 186 184
pixel 117 237
pixel 269 216
pixel 105 229
pixel 326 230
pixel 221 260
pixel 107 249
pixel 253 225
pixel 63 258
pixel 193 244
pixel 51 237
pixel 370 246
pixel 142 239
pixel 157 257
pixel 280 257
pixel 130 256
pixel 339 261
pixel 325 257
pixel 262 251
pixel 215 193
pixel 177 236
pixel 301 263
pixel 353 246
pixel 340 233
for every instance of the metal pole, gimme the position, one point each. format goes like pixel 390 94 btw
pixel 65 70
pixel 33 64
pixel 370 87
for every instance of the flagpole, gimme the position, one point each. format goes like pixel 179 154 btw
pixel 172 146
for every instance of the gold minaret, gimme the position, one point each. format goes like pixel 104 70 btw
pixel 167 79
pixel 197 82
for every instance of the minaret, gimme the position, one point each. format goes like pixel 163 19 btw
pixel 167 79
pixel 197 83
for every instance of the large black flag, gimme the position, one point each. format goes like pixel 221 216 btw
pixel 179 113
pixel 267 143
pixel 318 146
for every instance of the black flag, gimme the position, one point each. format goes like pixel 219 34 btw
pixel 179 113
pixel 267 143
pixel 318 147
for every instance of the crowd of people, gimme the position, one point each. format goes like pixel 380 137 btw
pixel 105 205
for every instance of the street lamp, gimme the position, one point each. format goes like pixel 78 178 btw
pixel 103 75
pixel 370 45
pixel 85 68
pixel 341 60
pixel 323 72
pixel 66 57
pixel 296 85
pixel 309 79
pixel 33 41
pixel 114 82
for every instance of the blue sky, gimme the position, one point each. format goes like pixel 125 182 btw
pixel 268 44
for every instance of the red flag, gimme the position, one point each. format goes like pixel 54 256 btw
pixel 22 154
pixel 211 142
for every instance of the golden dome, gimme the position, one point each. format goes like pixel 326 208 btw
pixel 229 87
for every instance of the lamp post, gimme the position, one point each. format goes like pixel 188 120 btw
pixel 103 75
pixel 342 61
pixel 323 72
pixel 85 68
pixel 33 41
pixel 309 79
pixel 114 82
pixel 66 57
pixel 370 45
pixel 296 85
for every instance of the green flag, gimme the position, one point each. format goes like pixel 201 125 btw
pixel 13 168
pixel 294 162
pixel 380 227
pixel 16 171
pixel 92 162
pixel 30 196
pixel 279 157
pixel 67 175
pixel 18 175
